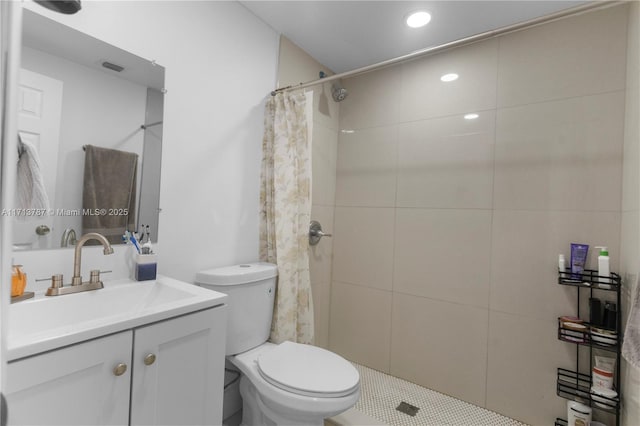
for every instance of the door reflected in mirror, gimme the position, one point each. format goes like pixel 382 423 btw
pixel 78 91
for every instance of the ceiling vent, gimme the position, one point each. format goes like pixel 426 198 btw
pixel 114 67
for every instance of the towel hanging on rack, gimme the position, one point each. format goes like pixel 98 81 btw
pixel 30 189
pixel 109 192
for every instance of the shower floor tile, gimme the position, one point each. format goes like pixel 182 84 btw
pixel 382 393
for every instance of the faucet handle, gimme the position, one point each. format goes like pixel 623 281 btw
pixel 94 276
pixel 56 281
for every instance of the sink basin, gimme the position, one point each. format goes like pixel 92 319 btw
pixel 44 323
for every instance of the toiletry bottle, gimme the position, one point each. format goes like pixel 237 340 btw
pixel 603 267
pixel 562 267
pixel 609 315
pixel 578 414
pixel 595 311
pixel 578 260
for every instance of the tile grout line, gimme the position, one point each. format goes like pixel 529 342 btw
pixel 395 242
pixel 491 235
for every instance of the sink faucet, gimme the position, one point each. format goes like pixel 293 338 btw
pixel 57 288
pixel 68 237
pixel 77 278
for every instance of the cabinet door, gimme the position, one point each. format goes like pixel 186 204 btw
pixel 76 385
pixel 182 380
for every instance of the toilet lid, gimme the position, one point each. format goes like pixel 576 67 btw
pixel 308 370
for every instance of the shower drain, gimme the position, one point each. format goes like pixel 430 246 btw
pixel 408 409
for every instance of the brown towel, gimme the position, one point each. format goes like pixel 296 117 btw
pixel 109 192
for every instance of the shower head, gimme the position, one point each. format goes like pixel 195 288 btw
pixel 339 93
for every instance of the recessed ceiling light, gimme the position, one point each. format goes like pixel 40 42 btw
pixel 471 116
pixel 348 131
pixel 418 19
pixel 449 77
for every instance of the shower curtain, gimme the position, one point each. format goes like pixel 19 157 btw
pixel 285 200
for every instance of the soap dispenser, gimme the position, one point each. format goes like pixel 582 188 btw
pixel 603 267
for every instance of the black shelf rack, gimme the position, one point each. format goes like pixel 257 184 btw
pixel 590 279
pixel 574 385
pixel 606 343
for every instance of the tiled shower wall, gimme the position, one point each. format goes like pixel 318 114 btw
pixel 447 231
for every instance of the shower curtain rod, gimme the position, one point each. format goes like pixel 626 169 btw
pixel 456 43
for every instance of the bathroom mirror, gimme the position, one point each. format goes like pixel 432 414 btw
pixel 81 91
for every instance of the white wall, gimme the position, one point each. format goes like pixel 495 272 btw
pixel 220 64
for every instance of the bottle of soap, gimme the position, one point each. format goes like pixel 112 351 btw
pixel 18 280
pixel 603 267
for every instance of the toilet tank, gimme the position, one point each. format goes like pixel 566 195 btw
pixel 251 288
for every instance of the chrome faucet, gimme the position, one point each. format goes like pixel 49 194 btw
pixel 77 285
pixel 68 237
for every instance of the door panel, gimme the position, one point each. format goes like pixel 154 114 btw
pixel 39 116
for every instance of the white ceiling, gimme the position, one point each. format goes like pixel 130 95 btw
pixel 345 35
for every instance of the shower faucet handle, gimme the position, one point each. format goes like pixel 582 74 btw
pixel 316 233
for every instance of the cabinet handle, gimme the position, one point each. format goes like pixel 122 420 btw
pixel 149 359
pixel 120 369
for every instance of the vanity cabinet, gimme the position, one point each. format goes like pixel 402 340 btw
pixel 178 370
pixel 174 375
pixel 75 385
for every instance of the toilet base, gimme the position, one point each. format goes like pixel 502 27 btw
pixel 256 413
pixel 266 404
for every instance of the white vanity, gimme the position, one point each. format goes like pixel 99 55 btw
pixel 133 353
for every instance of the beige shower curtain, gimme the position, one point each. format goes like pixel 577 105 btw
pixel 285 199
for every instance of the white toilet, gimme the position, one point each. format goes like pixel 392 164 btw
pixel 285 384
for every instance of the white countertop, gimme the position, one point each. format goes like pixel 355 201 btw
pixel 49 322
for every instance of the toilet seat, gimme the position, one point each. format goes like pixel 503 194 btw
pixel 308 370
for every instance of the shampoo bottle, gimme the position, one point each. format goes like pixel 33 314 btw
pixel 603 267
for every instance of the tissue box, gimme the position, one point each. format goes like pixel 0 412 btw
pixel 146 267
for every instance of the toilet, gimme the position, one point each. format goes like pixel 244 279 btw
pixel 281 384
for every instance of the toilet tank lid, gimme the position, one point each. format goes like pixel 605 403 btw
pixel 237 274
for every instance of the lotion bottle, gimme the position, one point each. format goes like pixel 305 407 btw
pixel 603 267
